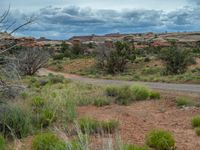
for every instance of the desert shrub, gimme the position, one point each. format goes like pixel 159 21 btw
pixel 196 121
pixel 154 95
pixel 176 60
pixel 197 130
pixel 125 95
pixel 140 92
pixel 91 126
pixel 54 79
pixel 133 147
pixel 48 141
pixel 99 102
pixel 30 60
pixel 14 122
pixel 84 101
pixel 160 140
pixel 58 56
pixel 2 143
pixel 112 91
pixel 24 95
pixel 183 101
pixel 38 102
pixel 115 58
pixel 43 117
pixel 71 111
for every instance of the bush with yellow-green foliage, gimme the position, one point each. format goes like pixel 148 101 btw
pixel 48 141
pixel 160 140
pixel 126 94
pixel 2 143
pixel 91 126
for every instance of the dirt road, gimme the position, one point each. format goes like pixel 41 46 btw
pixel 161 86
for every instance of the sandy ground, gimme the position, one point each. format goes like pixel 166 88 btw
pixel 139 118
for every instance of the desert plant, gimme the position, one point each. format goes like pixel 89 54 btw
pixel 48 141
pixel 99 102
pixel 2 143
pixel 160 140
pixel 114 59
pixel 38 102
pixel 54 79
pixel 14 122
pixel 183 101
pixel 197 130
pixel 124 95
pixel 154 95
pixel 91 126
pixel 176 60
pixel 24 95
pixel 112 91
pixel 133 147
pixel 71 111
pixel 196 121
pixel 30 60
pixel 140 92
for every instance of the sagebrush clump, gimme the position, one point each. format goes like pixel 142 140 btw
pixel 91 126
pixel 14 122
pixel 48 141
pixel 160 140
pixel 196 121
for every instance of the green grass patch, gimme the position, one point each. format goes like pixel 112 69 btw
pixel 183 101
pixel 2 143
pixel 91 126
pixel 14 122
pixel 160 140
pixel 154 95
pixel 133 147
pixel 197 130
pixel 48 141
pixel 100 102
pixel 196 121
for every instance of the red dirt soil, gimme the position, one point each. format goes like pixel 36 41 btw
pixel 141 117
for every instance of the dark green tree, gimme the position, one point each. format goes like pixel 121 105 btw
pixel 176 59
pixel 115 59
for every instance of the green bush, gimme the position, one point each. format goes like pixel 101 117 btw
pixel 176 59
pixel 54 79
pixel 91 126
pixel 48 141
pixel 154 95
pixel 99 102
pixel 14 122
pixel 140 92
pixel 183 101
pixel 196 121
pixel 43 118
pixel 197 130
pixel 125 94
pixel 71 111
pixel 24 95
pixel 38 102
pixel 112 91
pixel 160 140
pixel 2 143
pixel 133 147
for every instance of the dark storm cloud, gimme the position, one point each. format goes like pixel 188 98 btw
pixel 56 22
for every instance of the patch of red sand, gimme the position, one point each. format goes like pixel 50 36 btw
pixel 141 117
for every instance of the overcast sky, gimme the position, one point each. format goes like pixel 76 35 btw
pixel 61 19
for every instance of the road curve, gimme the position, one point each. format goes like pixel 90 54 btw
pixel 194 88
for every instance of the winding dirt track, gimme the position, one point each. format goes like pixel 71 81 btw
pixel 191 88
